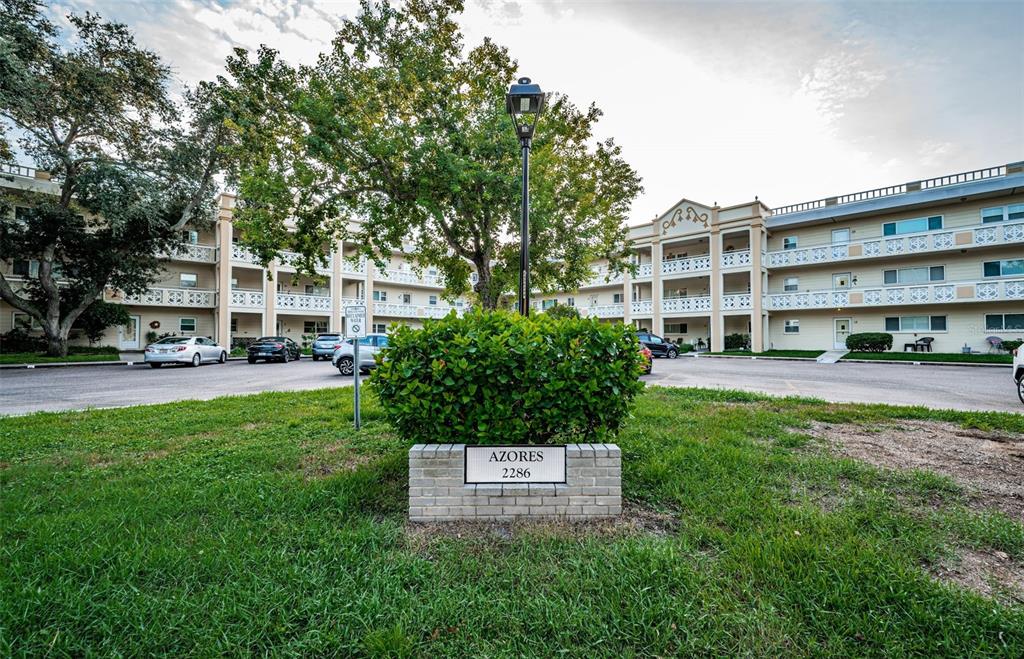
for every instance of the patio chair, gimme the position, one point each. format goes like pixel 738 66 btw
pixel 924 343
pixel 995 344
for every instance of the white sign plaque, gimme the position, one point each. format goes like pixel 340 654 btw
pixel 355 321
pixel 515 464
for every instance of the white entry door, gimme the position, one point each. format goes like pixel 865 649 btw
pixel 842 330
pixel 128 335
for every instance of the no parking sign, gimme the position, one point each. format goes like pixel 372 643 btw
pixel 355 328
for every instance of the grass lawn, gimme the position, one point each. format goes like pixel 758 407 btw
pixel 932 357
pixel 808 354
pixel 265 524
pixel 36 358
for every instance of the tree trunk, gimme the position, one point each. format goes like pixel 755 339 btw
pixel 56 344
pixel 488 300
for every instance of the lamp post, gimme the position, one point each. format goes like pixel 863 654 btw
pixel 525 102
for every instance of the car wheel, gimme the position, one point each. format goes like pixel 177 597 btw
pixel 196 360
pixel 345 365
pixel 1020 388
pixel 315 358
pixel 672 353
pixel 223 358
pixel 251 360
pixel 155 365
pixel 285 357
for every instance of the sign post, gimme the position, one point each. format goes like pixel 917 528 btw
pixel 355 329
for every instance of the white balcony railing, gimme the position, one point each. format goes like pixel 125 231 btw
pixel 947 292
pixel 1001 233
pixel 190 252
pixel 739 301
pixel 174 297
pixel 350 268
pixel 605 311
pixel 297 302
pixel 408 277
pixel 17 170
pixel 603 278
pixel 697 304
pixel 397 310
pixel 642 307
pixel 738 259
pixel 288 260
pixel 246 299
pixel 687 265
pixel 645 271
pixel 239 253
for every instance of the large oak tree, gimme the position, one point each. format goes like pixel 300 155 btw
pixel 129 172
pixel 401 126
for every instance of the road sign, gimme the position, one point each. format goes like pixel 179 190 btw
pixel 355 321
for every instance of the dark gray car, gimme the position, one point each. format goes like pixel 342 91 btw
pixel 325 345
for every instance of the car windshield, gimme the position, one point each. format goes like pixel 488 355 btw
pixel 270 338
pixel 328 337
pixel 174 339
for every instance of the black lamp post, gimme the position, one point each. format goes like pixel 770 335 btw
pixel 525 102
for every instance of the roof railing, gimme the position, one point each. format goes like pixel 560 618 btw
pixel 14 169
pixel 892 190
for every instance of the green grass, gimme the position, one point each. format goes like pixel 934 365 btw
pixel 75 354
pixel 266 525
pixel 808 354
pixel 932 357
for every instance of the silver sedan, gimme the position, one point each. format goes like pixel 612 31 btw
pixel 192 350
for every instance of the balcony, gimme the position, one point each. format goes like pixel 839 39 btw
pixel 736 302
pixel 243 255
pixel 191 252
pixel 971 291
pixel 174 297
pixel 299 302
pixel 739 259
pixel 408 277
pixel 645 271
pixel 396 310
pixel 604 311
pixel 981 235
pixel 350 268
pixel 681 305
pixel 288 260
pixel 602 277
pixel 242 299
pixel 642 307
pixel 686 266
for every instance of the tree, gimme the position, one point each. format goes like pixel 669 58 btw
pixel 563 311
pixel 100 315
pixel 401 128
pixel 128 173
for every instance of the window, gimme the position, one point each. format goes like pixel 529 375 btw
pixel 432 300
pixel 915 324
pixel 234 325
pixel 190 237
pixel 1003 268
pixel 406 298
pixel 1004 321
pixel 382 342
pixel 791 284
pixel 570 302
pixel 314 326
pixel 840 236
pixel 791 327
pixel 789 242
pixel 188 280
pixel 25 321
pixel 675 328
pixel 547 304
pixel 380 296
pixel 186 324
pixel 914 275
pixel 234 283
pixel 916 225
pixel 319 291
pixel 617 298
pixel 24 268
pixel 1002 213
pixel 379 328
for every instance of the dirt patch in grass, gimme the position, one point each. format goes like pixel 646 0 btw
pixel 988 464
pixel 990 573
pixel 332 459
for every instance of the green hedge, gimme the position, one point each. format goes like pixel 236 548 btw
pixel 499 378
pixel 736 341
pixel 1012 344
pixel 869 342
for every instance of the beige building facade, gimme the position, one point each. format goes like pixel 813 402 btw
pixel 940 258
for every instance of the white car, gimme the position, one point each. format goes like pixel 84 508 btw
pixel 1018 371
pixel 369 346
pixel 192 350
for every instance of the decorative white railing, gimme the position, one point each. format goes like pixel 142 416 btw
pixel 997 233
pixel 603 278
pixel 174 297
pixel 605 311
pixel 289 259
pixel 736 301
pixel 239 253
pixel 246 299
pixel 298 302
pixel 352 301
pixel 412 311
pixel 642 307
pixel 970 291
pixel 408 277
pixel 645 270
pixel 350 268
pixel 190 252
pixel 736 259
pixel 17 170
pixel 687 265
pixel 697 304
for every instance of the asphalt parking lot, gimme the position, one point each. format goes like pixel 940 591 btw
pixel 952 387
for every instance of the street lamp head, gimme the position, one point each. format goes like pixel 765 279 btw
pixel 524 103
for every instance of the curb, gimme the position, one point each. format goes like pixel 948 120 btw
pixel 859 361
pixel 74 364
pixel 759 357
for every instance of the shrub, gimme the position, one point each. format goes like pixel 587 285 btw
pixel 1010 345
pixel 499 378
pixel 684 348
pixel 869 342
pixel 735 341
pixel 19 340
pixel 563 311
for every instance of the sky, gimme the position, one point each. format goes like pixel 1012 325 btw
pixel 717 102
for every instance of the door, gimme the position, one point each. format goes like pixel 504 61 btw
pixel 841 281
pixel 128 335
pixel 842 330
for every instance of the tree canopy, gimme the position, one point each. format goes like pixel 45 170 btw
pixel 127 171
pixel 403 128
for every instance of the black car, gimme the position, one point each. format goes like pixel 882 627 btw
pixel 658 346
pixel 274 348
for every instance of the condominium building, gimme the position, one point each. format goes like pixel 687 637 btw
pixel 940 258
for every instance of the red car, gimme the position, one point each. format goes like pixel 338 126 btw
pixel 648 358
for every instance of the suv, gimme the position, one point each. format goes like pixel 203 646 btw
pixel 325 345
pixel 1018 371
pixel 658 346
pixel 369 346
